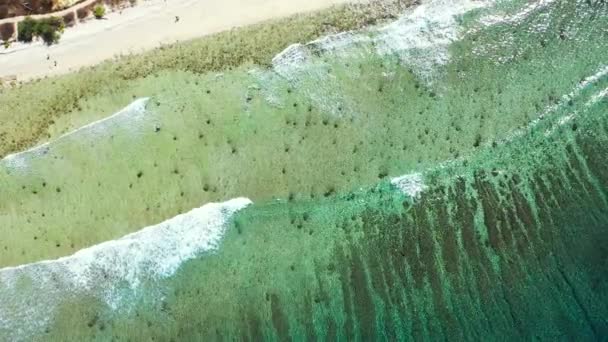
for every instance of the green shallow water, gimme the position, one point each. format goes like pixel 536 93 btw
pixel 515 254
pixel 507 241
pixel 345 119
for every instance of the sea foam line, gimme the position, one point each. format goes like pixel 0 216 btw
pixel 597 97
pixel 578 89
pixel 111 271
pixel 419 38
pixel 430 26
pixel 411 184
pixel 134 110
pixel 517 17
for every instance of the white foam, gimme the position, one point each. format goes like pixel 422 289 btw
pixel 592 79
pixel 421 37
pixel 597 97
pixel 603 71
pixel 576 91
pixel 111 271
pixel 567 118
pixel 292 57
pixel 516 18
pixel 410 184
pixel 296 56
pixel 562 121
pixel 133 112
pixel 507 42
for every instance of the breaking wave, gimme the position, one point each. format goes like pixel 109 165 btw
pixel 111 271
pixel 127 117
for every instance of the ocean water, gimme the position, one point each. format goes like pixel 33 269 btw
pixel 439 177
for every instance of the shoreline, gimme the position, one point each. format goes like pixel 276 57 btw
pixel 27 121
pixel 93 42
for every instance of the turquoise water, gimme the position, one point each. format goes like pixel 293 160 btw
pixel 506 239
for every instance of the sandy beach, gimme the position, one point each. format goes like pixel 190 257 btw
pixel 146 26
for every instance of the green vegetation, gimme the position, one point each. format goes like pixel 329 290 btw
pixel 26 30
pixel 48 29
pixel 99 11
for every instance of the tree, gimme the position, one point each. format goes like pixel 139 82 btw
pixel 99 11
pixel 26 30
pixel 49 29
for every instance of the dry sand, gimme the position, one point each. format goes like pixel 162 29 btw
pixel 148 25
